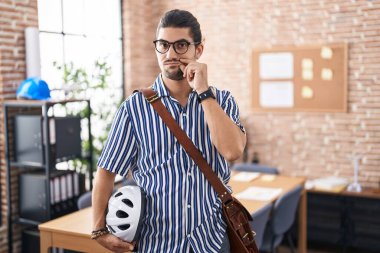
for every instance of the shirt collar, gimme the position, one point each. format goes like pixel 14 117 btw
pixel 160 88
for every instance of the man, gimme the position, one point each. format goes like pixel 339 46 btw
pixel 183 212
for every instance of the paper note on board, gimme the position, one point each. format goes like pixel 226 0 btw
pixel 326 74
pixel 276 65
pixel 326 52
pixel 277 94
pixel 307 92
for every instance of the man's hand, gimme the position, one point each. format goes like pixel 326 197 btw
pixel 115 244
pixel 195 73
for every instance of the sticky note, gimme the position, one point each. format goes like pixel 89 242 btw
pixel 307 63
pixel 307 74
pixel 326 74
pixel 326 53
pixel 307 92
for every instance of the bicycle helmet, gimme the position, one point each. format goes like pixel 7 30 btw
pixel 126 209
pixel 33 88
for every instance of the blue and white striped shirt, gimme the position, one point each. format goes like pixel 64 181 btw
pixel 182 208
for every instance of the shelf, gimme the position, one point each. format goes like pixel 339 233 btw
pixel 45 159
pixel 23 221
pixel 27 164
pixel 40 165
pixel 39 103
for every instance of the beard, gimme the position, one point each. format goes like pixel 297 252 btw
pixel 174 75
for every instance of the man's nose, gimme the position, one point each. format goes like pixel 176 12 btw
pixel 170 54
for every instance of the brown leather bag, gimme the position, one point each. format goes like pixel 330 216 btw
pixel 240 234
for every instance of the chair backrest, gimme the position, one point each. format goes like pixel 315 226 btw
pixel 260 219
pixel 84 200
pixel 254 167
pixel 284 211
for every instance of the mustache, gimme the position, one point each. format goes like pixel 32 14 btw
pixel 172 61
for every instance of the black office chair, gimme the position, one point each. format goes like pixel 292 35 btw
pixel 255 167
pixel 260 220
pixel 281 220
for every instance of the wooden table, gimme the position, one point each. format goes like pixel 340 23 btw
pixel 286 184
pixel 73 231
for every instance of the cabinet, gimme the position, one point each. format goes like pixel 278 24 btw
pixel 346 220
pixel 36 139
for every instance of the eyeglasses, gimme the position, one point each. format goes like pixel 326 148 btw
pixel 180 46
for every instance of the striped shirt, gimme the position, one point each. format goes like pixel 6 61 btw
pixel 182 208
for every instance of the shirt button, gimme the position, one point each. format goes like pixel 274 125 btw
pixel 184 114
pixel 188 206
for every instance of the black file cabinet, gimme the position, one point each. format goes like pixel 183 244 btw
pixel 345 220
pixel 36 140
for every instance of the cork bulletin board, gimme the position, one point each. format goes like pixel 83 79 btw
pixel 300 78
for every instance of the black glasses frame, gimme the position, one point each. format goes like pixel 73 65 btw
pixel 174 43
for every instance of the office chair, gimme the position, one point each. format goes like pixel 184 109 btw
pixel 282 218
pixel 255 167
pixel 84 200
pixel 260 220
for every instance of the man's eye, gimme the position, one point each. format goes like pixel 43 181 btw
pixel 181 44
pixel 163 44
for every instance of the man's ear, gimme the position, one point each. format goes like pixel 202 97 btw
pixel 199 51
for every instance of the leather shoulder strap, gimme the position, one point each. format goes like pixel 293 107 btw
pixel 187 144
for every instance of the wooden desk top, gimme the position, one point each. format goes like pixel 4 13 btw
pixel 365 193
pixel 78 223
pixel 283 182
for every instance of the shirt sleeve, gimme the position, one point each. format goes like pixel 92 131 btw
pixel 231 108
pixel 120 151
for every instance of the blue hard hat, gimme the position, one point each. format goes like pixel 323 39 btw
pixel 33 88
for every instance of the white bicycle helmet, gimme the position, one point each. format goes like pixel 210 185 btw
pixel 126 209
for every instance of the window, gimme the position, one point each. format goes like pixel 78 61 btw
pixel 81 32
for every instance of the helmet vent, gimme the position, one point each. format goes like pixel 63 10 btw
pixel 127 202
pixel 118 194
pixel 121 214
pixel 124 227
pixel 113 230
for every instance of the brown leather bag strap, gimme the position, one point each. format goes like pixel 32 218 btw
pixel 187 144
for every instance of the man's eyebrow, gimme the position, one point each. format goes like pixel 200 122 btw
pixel 175 40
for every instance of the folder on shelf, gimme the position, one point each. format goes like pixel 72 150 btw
pixel 63 187
pixel 57 197
pixel 76 184
pixel 52 192
pixel 69 181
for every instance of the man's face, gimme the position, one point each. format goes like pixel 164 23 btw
pixel 169 61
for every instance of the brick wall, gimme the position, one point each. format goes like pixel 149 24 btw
pixel 140 20
pixel 311 144
pixel 14 17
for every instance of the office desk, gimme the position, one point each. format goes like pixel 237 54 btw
pixel 286 184
pixel 73 231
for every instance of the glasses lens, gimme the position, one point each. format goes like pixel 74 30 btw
pixel 162 46
pixel 181 47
